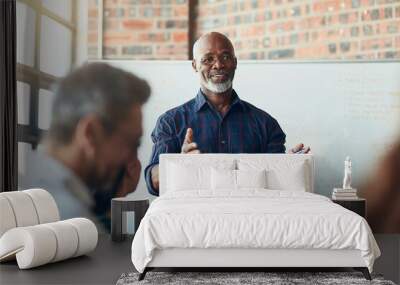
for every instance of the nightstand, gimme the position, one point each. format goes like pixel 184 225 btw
pixel 358 206
pixel 122 209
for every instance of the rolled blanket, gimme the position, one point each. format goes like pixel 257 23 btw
pixel 40 244
pixel 26 208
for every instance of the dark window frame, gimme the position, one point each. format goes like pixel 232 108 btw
pixel 34 77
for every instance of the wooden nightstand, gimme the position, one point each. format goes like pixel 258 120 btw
pixel 358 206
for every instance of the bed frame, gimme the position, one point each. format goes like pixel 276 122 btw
pixel 245 259
pixel 249 258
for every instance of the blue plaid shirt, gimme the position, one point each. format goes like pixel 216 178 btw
pixel 243 129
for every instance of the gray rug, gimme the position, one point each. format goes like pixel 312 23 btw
pixel 273 278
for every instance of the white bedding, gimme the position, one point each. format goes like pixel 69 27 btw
pixel 251 218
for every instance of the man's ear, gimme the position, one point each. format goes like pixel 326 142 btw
pixel 88 134
pixel 194 65
pixel 235 58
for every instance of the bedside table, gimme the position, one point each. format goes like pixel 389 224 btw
pixel 358 206
pixel 120 208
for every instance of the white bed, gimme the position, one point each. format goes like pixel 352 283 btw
pixel 247 210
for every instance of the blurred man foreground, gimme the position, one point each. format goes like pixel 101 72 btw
pixel 94 134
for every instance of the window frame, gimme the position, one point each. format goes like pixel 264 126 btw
pixel 34 77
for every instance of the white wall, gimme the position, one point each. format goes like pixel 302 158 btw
pixel 337 108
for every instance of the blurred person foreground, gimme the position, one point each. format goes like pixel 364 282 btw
pixel 90 150
pixel 383 194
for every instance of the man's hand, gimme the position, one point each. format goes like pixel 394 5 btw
pixel 299 149
pixel 155 179
pixel 131 178
pixel 189 146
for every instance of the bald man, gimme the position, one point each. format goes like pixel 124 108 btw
pixel 216 120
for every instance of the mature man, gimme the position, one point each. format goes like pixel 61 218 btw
pixel 95 132
pixel 216 120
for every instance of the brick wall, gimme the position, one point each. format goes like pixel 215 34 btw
pixel 259 29
pixel 92 29
pixel 290 29
pixel 141 29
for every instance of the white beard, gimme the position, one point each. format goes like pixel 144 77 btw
pixel 219 87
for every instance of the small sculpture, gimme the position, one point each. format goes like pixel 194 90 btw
pixel 347 174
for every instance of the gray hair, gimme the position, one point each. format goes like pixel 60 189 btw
pixel 95 88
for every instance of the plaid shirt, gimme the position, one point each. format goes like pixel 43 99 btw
pixel 243 129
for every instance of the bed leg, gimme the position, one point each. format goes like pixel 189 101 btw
pixel 364 271
pixel 143 274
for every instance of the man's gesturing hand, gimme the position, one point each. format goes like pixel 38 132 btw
pixel 188 145
pixel 300 149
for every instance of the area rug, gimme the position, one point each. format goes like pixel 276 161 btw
pixel 243 278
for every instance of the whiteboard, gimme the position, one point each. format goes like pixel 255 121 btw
pixel 337 108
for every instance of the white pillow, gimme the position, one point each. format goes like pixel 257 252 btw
pixel 251 178
pixel 293 178
pixel 236 179
pixel 184 175
pixel 223 179
pixel 281 175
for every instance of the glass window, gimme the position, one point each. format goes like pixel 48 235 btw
pixel 24 150
pixel 56 40
pixel 62 8
pixel 25 34
pixel 45 102
pixel 23 95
